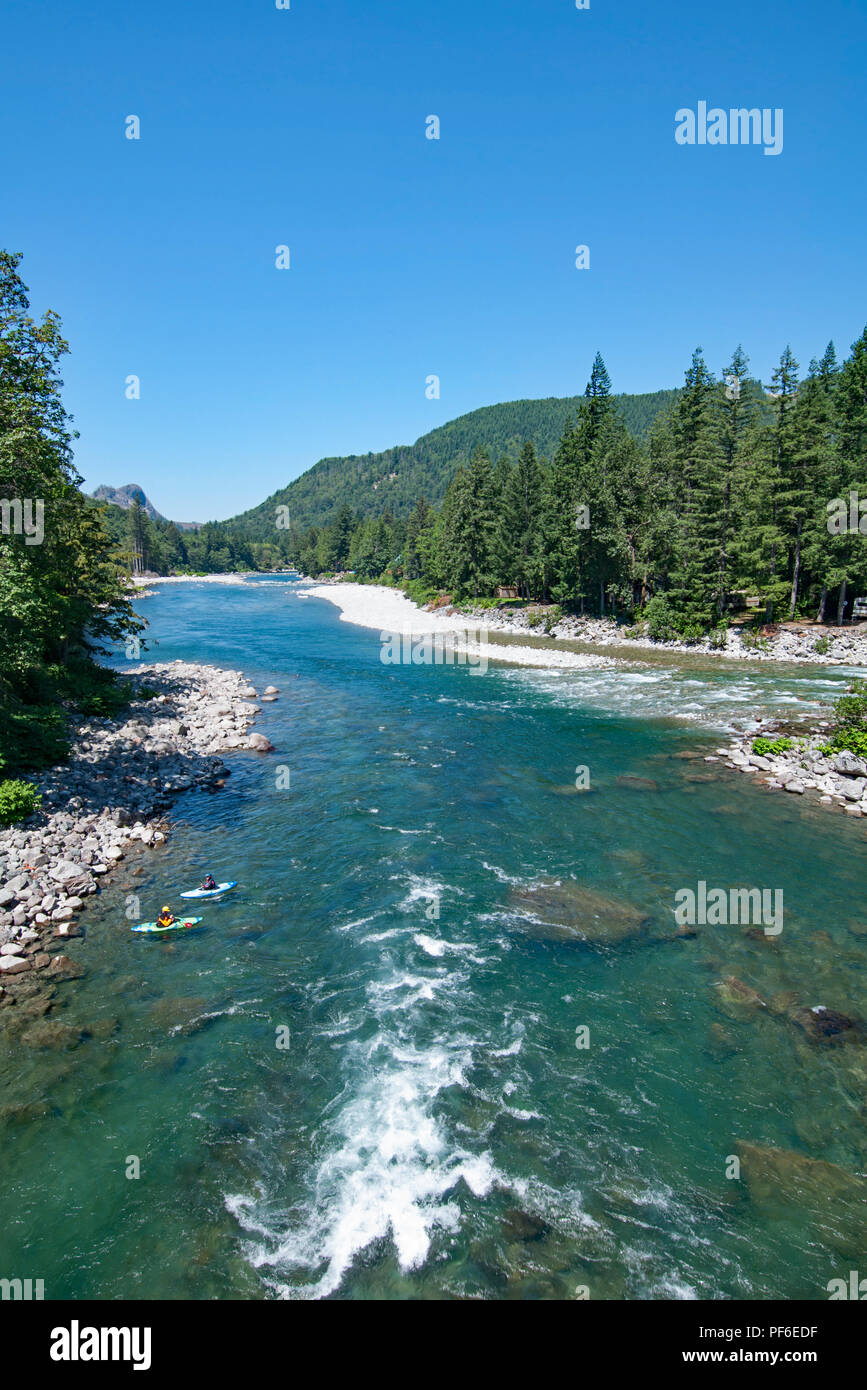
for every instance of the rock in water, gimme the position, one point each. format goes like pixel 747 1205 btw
pixel 563 910
pixel 827 1025
pixel 638 784
pixel 733 991
pixel 832 1201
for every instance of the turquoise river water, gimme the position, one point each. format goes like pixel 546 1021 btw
pixel 432 1130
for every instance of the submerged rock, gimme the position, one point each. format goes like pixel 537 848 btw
pixel 524 1226
pixel 827 1025
pixel 185 1015
pixel 51 1033
pixel 639 784
pixel 733 991
pixel 563 910
pixel 830 1200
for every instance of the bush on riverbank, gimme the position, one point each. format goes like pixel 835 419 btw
pixel 18 800
pixel 774 746
pixel 850 721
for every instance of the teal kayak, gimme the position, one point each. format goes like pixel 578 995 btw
pixel 179 925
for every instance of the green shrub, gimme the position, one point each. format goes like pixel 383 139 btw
pixel 692 633
pixel 18 800
pixel 822 646
pixel 849 740
pixel 850 710
pixel 717 637
pixel 753 640
pixel 763 746
pixel 661 621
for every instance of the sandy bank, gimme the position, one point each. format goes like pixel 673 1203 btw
pixel 389 610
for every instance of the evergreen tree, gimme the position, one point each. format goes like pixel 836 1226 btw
pixel 470 526
pixel 695 594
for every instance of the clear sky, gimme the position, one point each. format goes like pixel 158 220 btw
pixel 409 256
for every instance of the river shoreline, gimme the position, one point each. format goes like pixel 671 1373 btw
pixel 110 797
pixel 391 610
pixel 837 779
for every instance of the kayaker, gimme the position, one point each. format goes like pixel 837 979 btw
pixel 166 918
pixel 209 884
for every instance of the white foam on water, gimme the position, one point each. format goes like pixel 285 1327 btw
pixel 359 922
pixel 387 1175
pixel 429 945
pixel 673 693
pixel 389 1171
pixel 502 875
pixel 422 889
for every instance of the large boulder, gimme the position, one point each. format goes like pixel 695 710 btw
pixel 735 994
pixel 848 765
pixel 827 1025
pixel 64 870
pixel 828 1199
pixel 14 965
pixel 563 910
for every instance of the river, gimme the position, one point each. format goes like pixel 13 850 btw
pixel 360 1078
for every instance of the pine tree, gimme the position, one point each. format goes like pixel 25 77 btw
pixel 695 594
pixel 469 528
pixel 851 399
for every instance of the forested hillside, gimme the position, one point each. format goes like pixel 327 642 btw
pixel 393 481
pixel 737 492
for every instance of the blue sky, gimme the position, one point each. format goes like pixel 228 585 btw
pixel 412 257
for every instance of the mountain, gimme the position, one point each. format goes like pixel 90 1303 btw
pixel 394 479
pixel 124 497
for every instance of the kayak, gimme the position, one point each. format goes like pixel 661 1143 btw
pixel 210 892
pixel 176 926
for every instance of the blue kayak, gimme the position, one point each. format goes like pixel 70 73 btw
pixel 210 892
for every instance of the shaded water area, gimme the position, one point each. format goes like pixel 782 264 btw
pixel 432 1130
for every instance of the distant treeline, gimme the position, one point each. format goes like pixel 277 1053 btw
pixel 728 496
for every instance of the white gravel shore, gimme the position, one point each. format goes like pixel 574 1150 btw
pixel 375 606
pixel 390 611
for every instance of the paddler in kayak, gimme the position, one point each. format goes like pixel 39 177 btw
pixel 166 918
pixel 209 884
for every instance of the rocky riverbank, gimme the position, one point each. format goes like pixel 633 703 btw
pixel 835 779
pixel 107 800
pixel 837 646
pixel 390 609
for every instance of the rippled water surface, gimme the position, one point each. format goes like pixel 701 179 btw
pixel 432 1130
